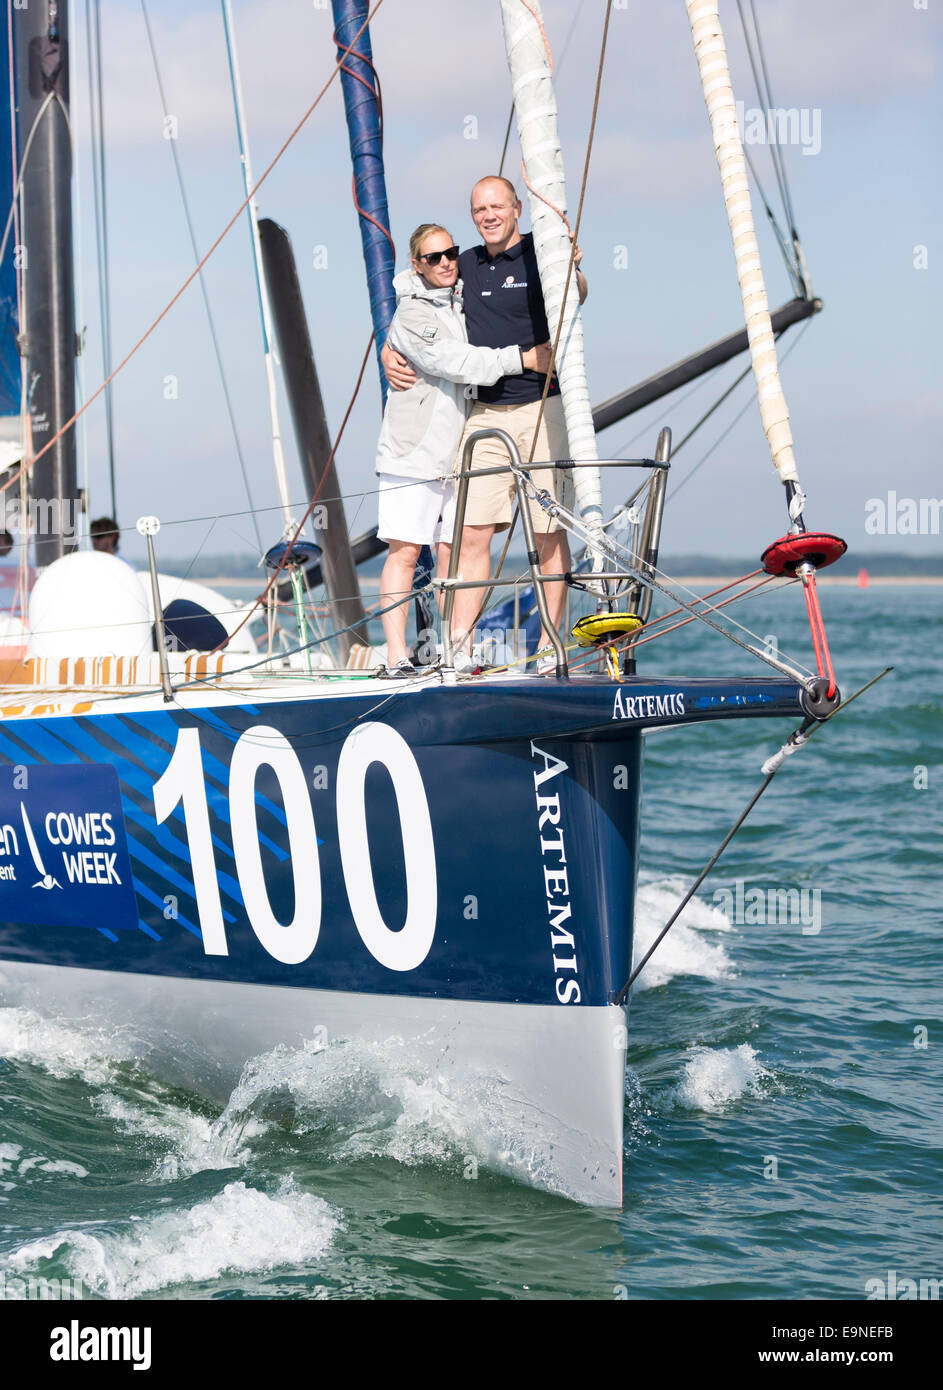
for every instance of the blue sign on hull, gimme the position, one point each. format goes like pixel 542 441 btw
pixel 63 855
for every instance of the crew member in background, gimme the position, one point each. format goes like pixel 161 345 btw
pixel 105 535
pixel 504 305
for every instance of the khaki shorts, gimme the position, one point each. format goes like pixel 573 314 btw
pixel 491 500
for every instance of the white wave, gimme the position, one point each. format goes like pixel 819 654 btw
pixel 685 950
pixel 715 1077
pixel 52 1165
pixel 91 1055
pixel 9 1157
pixel 11 1162
pixel 241 1230
pixel 185 1134
pixel 360 1100
pixel 61 1049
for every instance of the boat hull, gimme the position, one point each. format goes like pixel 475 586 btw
pixel 531 1091
pixel 453 864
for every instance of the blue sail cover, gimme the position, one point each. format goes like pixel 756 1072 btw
pixel 366 152
pixel 9 326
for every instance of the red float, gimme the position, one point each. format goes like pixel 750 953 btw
pixel 816 548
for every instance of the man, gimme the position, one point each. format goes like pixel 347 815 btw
pixel 105 535
pixel 503 306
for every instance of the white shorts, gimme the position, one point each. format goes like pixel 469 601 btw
pixel 418 510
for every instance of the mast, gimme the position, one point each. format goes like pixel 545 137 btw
pixel 365 128
pixel 252 211
pixel 47 339
pixel 10 373
pixel 312 435
pixel 536 115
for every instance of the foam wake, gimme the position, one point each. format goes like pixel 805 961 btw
pixel 716 1077
pixel 241 1230
pixel 687 949
pixel 60 1049
pixel 358 1100
pixel 14 1164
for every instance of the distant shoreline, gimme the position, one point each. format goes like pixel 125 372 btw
pixel 713 581
pixel 847 581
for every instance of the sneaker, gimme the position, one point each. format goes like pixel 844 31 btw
pixel 465 665
pixel 400 670
pixel 546 664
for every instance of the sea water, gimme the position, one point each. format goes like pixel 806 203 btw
pixel 782 1093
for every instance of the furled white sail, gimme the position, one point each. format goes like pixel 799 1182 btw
pixel 718 95
pixel 536 113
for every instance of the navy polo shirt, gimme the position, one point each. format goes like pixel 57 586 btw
pixel 504 305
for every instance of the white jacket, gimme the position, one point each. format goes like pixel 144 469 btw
pixel 422 427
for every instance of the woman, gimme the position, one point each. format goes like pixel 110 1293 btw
pixel 423 425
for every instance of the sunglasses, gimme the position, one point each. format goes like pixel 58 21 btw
pixel 434 257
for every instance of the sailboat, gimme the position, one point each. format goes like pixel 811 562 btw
pixel 227 850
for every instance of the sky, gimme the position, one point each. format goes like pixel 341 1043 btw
pixel 862 382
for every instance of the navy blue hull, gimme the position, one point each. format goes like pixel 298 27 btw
pixel 475 841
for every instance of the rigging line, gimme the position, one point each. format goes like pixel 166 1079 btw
pixel 20 601
pixel 377 95
pixel 626 646
pixel 737 418
pixel 716 406
pixel 190 278
pixel 226 516
pixel 620 998
pixel 13 166
pixel 873 681
pixel 786 249
pixel 765 96
pixel 760 584
pixel 195 557
pixel 576 227
pixel 787 196
pixel 497 582
pixel 81 380
pixel 300 527
pixel 494 583
pixel 205 293
pixel 47 102
pixel 711 593
pixel 523 577
pixel 105 282
pixel 697 386
pixel 314 642
pixel 563 52
pixel 507 136
pixel 97 118
pixel 261 284
pixel 794 668
pixel 646 574
pixel 571 31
